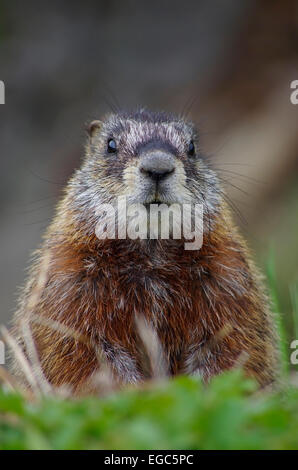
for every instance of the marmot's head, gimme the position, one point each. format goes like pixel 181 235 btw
pixel 149 158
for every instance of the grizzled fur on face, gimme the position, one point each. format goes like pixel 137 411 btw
pixel 105 175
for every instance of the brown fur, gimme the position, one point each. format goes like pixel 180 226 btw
pixel 208 307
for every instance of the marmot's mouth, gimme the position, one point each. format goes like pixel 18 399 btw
pixel 154 201
pixel 157 200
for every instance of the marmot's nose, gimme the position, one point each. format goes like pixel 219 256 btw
pixel 157 165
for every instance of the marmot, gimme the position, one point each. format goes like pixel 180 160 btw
pixel 207 307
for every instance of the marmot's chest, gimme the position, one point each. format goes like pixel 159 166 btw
pixel 168 294
pixel 167 297
pixel 168 306
pixel 153 285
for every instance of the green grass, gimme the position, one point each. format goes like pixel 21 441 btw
pixel 179 414
pixel 276 310
pixel 176 414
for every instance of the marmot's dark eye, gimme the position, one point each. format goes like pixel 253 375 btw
pixel 112 147
pixel 191 149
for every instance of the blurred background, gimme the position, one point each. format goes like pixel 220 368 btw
pixel 227 64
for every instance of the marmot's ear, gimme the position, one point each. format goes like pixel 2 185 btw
pixel 93 127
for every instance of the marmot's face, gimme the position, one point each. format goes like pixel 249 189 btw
pixel 149 158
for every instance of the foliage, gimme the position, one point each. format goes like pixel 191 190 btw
pixel 178 414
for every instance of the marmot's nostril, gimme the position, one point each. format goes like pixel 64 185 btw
pixel 157 174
